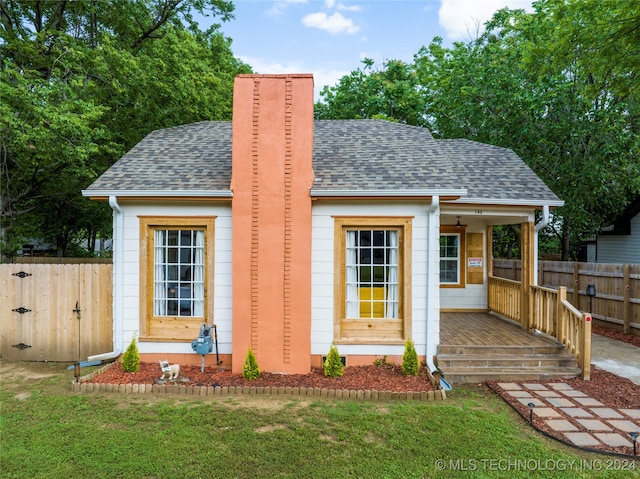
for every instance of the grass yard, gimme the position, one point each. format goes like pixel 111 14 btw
pixel 46 431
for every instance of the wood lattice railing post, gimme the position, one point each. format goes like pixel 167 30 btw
pixel 585 346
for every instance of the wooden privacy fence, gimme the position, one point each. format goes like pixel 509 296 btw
pixel 55 312
pixel 617 299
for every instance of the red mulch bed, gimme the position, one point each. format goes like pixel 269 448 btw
pixel 614 334
pixel 611 390
pixel 355 378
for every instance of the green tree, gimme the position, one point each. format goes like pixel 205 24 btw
pixel 559 86
pixel 410 364
pixel 390 92
pixel 80 83
pixel 332 365
pixel 526 84
pixel 131 358
pixel 250 369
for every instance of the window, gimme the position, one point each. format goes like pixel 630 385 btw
pixel 451 257
pixel 176 276
pixel 372 279
pixel 372 274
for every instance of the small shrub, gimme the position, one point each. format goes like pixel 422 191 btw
pixel 250 369
pixel 131 358
pixel 333 366
pixel 410 365
pixel 383 363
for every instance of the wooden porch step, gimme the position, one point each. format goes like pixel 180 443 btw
pixel 490 350
pixel 508 374
pixel 473 364
pixel 506 361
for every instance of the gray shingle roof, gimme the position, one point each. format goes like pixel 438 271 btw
pixel 365 155
pixel 348 155
pixel 183 158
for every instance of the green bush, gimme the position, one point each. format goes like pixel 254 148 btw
pixel 333 364
pixel 410 364
pixel 250 369
pixel 131 358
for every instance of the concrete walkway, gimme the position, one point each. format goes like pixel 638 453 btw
pixel 621 359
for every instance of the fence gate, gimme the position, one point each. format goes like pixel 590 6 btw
pixel 55 312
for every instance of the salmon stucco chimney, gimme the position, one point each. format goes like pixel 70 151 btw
pixel 271 179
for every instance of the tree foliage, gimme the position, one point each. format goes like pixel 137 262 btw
pixel 80 83
pixel 410 364
pixel 390 92
pixel 250 369
pixel 559 86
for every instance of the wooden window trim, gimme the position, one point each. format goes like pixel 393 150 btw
pixel 460 230
pixel 173 328
pixel 372 331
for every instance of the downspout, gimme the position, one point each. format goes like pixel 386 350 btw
pixel 118 275
pixel 433 285
pixel 544 221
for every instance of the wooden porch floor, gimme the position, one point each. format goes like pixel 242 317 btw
pixel 483 329
pixel 477 347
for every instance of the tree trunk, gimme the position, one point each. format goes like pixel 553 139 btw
pixel 566 249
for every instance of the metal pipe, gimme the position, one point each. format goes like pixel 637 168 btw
pixel 433 281
pixel 544 221
pixel 118 276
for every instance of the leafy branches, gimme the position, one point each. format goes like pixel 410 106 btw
pixel 81 82
pixel 551 85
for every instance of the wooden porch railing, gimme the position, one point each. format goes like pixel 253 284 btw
pixel 504 297
pixel 550 313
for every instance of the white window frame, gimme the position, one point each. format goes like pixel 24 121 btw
pixel 459 232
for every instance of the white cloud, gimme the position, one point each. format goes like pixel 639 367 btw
pixel 265 66
pixel 335 23
pixel 280 6
pixel 321 76
pixel 462 19
pixel 329 4
pixel 347 8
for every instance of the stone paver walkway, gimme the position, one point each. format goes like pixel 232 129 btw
pixel 578 419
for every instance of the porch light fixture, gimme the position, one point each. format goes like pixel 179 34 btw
pixel 458 225
pixel 591 292
pixel 634 438
pixel 531 406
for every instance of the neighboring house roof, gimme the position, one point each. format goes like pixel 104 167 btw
pixel 349 156
pixel 622 224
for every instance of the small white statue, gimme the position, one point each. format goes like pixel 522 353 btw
pixel 169 371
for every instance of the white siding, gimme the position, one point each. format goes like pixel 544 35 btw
pixel 322 270
pixel 131 271
pixel 621 248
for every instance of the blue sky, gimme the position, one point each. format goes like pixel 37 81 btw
pixel 330 38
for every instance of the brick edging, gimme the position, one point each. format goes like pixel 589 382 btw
pixel 85 386
pixel 438 395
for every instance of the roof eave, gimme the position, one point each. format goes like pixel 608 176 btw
pixel 158 193
pixel 400 193
pixel 509 202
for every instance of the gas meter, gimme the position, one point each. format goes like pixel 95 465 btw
pixel 203 345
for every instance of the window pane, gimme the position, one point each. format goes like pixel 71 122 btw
pixel 449 258
pixel 179 273
pixel 372 274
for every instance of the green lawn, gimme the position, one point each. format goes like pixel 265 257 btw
pixel 48 432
